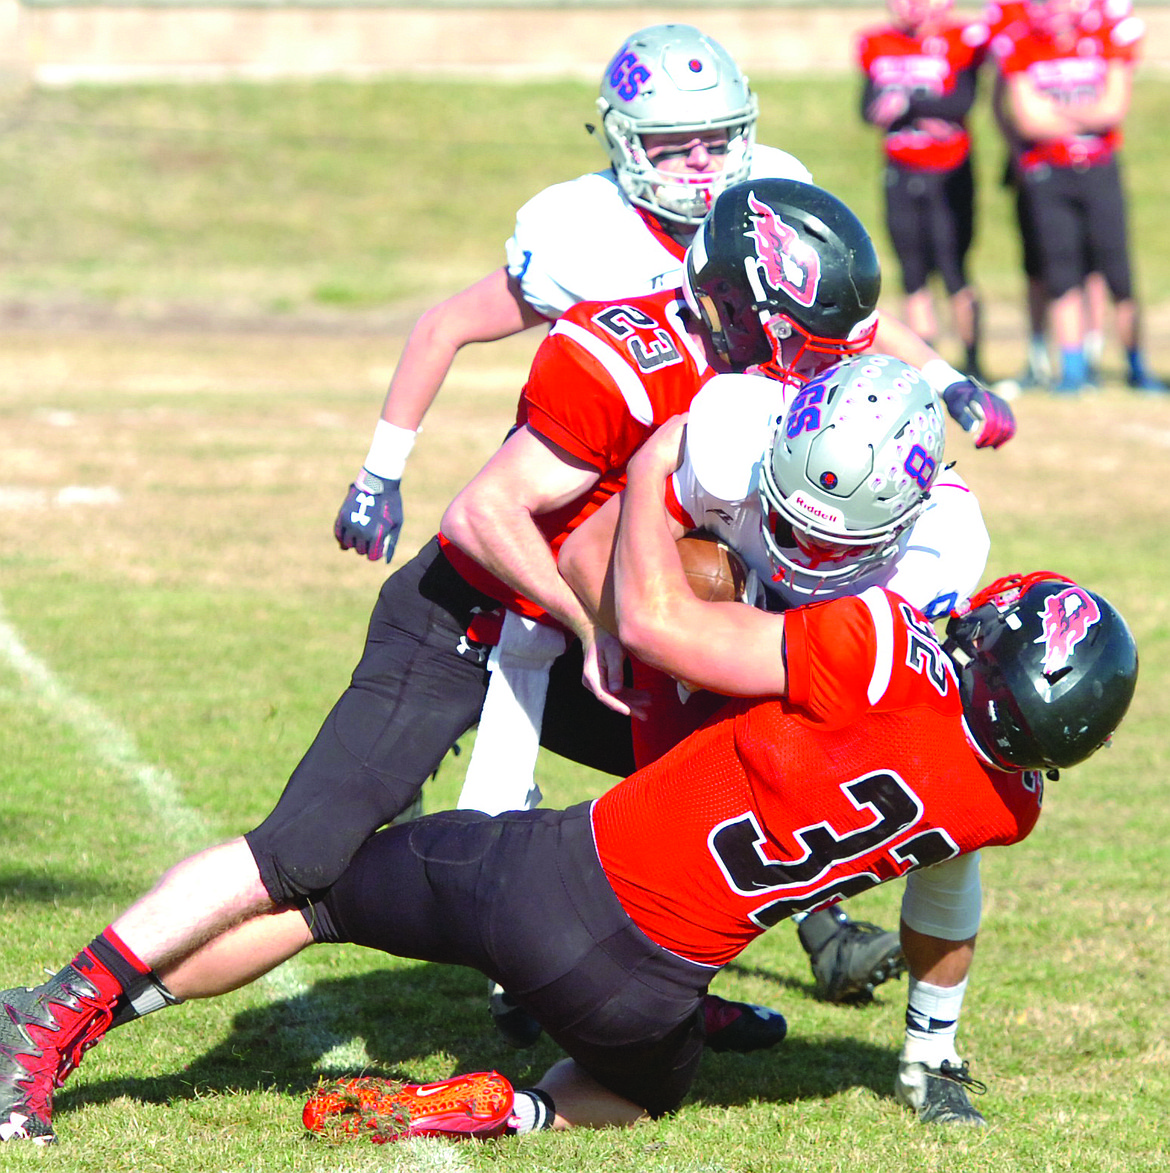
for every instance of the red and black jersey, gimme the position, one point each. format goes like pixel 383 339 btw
pixel 860 774
pixel 1069 72
pixel 606 376
pixel 936 72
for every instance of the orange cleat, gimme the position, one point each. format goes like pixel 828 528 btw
pixel 475 1106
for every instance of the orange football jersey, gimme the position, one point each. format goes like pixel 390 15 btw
pixel 861 773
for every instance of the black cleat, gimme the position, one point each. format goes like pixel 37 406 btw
pixel 741 1026
pixel 516 1026
pixel 849 958
pixel 939 1094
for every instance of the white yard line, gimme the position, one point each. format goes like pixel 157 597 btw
pixel 180 825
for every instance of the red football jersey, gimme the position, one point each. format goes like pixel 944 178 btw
pixel 1069 74
pixel 606 376
pixel 926 66
pixel 780 806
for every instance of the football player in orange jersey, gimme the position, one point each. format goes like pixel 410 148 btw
pixel 879 754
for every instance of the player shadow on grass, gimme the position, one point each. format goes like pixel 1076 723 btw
pixel 49 885
pixel 407 1015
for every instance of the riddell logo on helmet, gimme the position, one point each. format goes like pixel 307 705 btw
pixel 816 510
pixel 789 264
pixel 1066 619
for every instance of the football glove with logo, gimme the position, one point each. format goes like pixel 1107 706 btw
pixel 981 413
pixel 371 518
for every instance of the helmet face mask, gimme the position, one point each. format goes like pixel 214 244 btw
pixel 671 79
pixel 798 356
pixel 1046 670
pixel 784 278
pixel 848 471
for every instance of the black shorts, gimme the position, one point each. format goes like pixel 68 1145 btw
pixel 419 686
pixel 930 216
pixel 522 898
pixel 1077 216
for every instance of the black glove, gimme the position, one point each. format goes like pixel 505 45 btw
pixel 371 517
pixel 981 413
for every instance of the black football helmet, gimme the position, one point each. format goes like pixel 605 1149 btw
pixel 1046 670
pixel 784 277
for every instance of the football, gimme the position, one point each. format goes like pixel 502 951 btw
pixel 715 571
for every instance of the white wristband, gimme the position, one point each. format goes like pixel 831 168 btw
pixel 388 451
pixel 940 374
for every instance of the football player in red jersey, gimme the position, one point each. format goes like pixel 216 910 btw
pixel 920 74
pixel 1067 76
pixel 880 755
pixel 1037 372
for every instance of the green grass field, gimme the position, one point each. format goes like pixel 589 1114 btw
pixel 171 637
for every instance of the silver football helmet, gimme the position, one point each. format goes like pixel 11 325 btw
pixel 849 469
pixel 668 79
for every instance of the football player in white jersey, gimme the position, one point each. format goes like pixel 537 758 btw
pixel 824 489
pixel 933 555
pixel 678 121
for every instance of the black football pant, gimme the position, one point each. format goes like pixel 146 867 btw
pixel 419 686
pixel 522 897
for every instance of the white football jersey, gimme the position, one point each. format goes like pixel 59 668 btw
pixel 584 241
pixel 941 557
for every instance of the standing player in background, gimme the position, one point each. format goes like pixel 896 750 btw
pixel 920 81
pixel 1067 71
pixel 1037 372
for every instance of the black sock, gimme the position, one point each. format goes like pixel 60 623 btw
pixel 143 990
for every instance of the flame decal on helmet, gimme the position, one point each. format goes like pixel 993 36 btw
pixel 789 264
pixel 1065 621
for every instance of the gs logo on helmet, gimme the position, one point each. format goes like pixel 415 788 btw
pixel 790 265
pixel 1066 619
pixel 627 74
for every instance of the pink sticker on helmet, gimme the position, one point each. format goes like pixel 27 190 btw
pixel 790 265
pixel 1066 619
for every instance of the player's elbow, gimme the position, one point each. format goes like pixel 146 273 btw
pixel 646 631
pixel 572 562
pixel 444 328
pixel 463 520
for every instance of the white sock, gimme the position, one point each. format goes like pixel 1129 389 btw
pixel 932 1020
pixel 532 1110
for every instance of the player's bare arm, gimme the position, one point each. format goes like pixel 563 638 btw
pixel 492 521
pixel 491 309
pixel 730 648
pixel 586 561
pixel 1111 107
pixel 370 518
